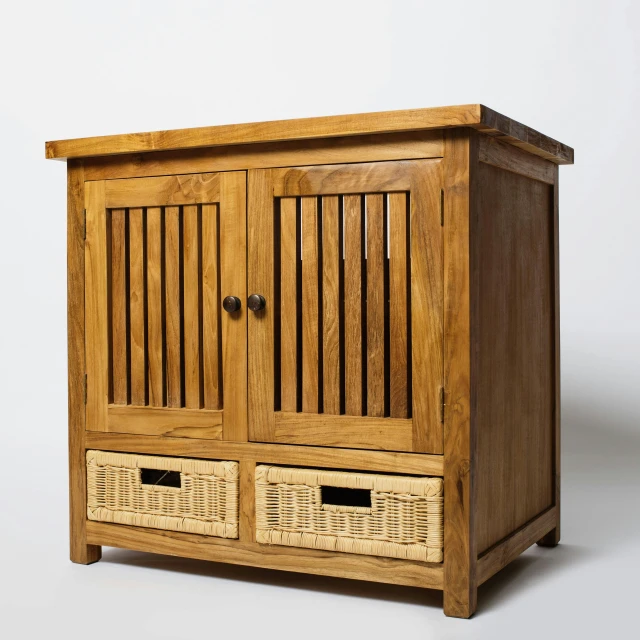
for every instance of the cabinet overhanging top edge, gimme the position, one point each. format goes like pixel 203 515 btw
pixel 476 116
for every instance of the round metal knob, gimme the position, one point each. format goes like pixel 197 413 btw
pixel 231 304
pixel 256 302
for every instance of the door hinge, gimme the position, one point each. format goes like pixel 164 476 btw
pixel 442 404
pixel 85 388
pixel 84 224
pixel 442 207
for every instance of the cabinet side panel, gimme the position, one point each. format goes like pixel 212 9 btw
pixel 516 351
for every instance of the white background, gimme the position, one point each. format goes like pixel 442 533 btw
pixel 568 69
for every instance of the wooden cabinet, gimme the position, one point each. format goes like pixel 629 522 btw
pixel 367 299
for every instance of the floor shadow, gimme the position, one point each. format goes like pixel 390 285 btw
pixel 282 579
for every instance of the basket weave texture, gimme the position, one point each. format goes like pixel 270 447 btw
pixel 404 520
pixel 205 503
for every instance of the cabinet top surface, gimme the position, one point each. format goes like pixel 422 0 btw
pixel 476 116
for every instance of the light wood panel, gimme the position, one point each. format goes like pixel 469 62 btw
pixel 366 148
pixel 399 307
pixel 310 304
pixel 343 565
pixel 331 303
pixel 96 309
pixel 163 191
pixel 155 315
pixel 119 302
pixel 516 359
pixel 173 306
pixel 247 507
pixel 507 550
pixel 460 583
pixel 80 551
pixel 376 261
pixel 354 299
pixel 390 434
pixel 472 115
pixel 211 306
pixel 137 316
pixel 341 179
pixel 289 264
pixel 185 423
pixel 192 294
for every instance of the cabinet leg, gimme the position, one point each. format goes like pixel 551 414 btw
pixel 85 553
pixel 551 539
pixel 460 605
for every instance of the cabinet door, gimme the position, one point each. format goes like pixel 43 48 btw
pixel 348 350
pixel 162 358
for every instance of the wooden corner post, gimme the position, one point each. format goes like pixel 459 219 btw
pixel 81 552
pixel 460 556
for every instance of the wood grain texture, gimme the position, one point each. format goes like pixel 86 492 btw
pixel 305 456
pixel 310 305
pixel 353 296
pixel 516 363
pixel 331 259
pixel 365 148
pixel 247 507
pixel 156 421
pixel 289 263
pixel 137 315
pixel 501 554
pixel 173 306
pixel 80 551
pixel 261 324
pixel 388 434
pixel 427 296
pixel 343 565
pixel 155 315
pixel 460 555
pixel 376 229
pixel 553 537
pixel 211 306
pixel 119 304
pixel 192 301
pixel 163 191
pixel 472 115
pixel 233 273
pixel 341 179
pixel 96 307
pixel 399 310
pixel 505 156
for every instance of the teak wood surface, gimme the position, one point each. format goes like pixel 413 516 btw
pixel 409 262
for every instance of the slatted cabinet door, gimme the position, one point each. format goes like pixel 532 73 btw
pixel 348 349
pixel 162 357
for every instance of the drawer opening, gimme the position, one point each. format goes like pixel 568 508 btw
pixel 344 497
pixel 160 478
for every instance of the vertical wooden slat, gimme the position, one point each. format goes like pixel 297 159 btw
pixel 154 307
pixel 289 304
pixel 80 551
pixel 331 251
pixel 426 307
pixel 398 306
pixel 172 305
pixel 119 306
pixel 191 286
pixel 210 308
pixel 136 311
pixel 97 318
pixel 233 281
pixel 310 295
pixel 261 325
pixel 353 305
pixel 375 304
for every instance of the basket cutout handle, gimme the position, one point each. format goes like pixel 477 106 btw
pixel 160 478
pixel 343 499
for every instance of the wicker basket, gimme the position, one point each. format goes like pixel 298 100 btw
pixel 394 516
pixel 131 489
